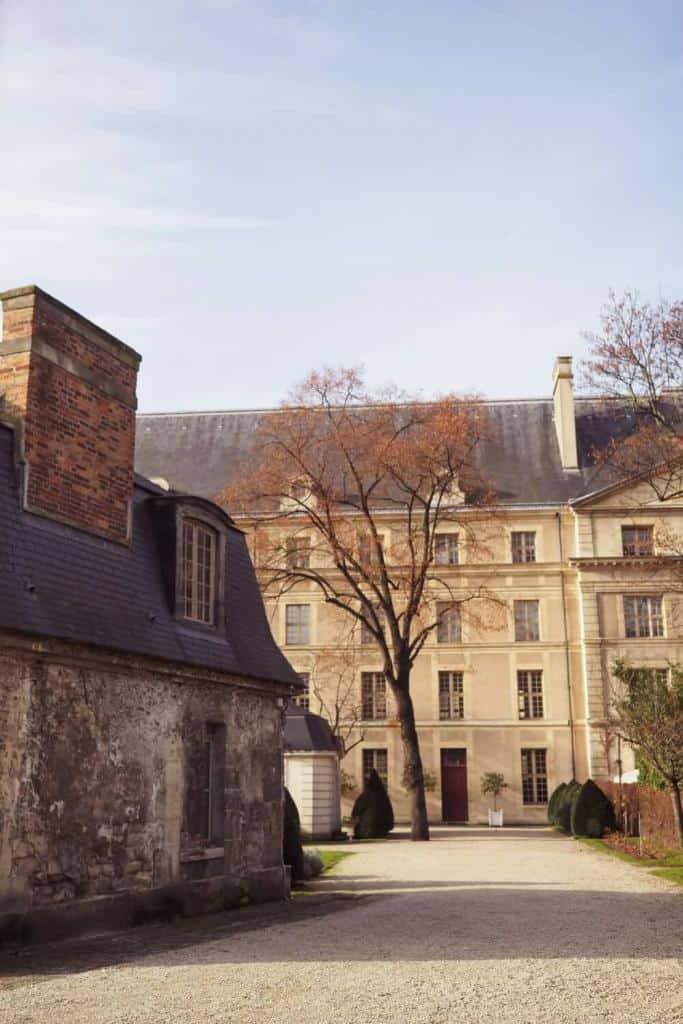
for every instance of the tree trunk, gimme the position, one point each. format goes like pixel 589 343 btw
pixel 678 811
pixel 413 777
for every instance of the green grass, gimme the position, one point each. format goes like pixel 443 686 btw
pixel 331 858
pixel 669 866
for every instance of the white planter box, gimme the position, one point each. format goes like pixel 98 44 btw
pixel 495 819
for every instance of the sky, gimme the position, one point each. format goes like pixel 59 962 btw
pixel 244 190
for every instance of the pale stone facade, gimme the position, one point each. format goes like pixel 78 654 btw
pixel 548 485
pixel 580 589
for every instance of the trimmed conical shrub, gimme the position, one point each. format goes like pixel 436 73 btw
pixel 554 802
pixel 372 814
pixel 565 804
pixel 592 812
pixel 292 850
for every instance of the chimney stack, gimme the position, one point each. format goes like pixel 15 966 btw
pixel 71 387
pixel 563 401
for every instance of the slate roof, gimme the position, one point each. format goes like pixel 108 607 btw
pixel 308 732
pixel 59 582
pixel 201 451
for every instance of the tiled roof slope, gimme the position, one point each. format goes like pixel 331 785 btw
pixel 61 583
pixel 201 452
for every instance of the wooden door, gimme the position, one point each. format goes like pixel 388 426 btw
pixel 454 785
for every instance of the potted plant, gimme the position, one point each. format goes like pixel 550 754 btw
pixel 493 784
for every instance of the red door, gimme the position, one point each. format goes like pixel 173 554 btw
pixel 454 785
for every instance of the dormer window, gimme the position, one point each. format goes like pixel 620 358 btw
pixel 198 572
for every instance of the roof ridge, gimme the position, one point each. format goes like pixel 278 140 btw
pixel 279 408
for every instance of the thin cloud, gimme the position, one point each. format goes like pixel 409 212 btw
pixel 46 215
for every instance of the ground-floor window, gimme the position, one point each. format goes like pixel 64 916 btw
pixel 534 777
pixel 376 757
pixel 451 695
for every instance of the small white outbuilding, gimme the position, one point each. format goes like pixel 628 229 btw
pixel 312 773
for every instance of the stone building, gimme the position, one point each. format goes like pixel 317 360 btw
pixel 141 691
pixel 575 557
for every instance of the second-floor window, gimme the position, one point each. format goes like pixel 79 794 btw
pixel 303 699
pixel 527 625
pixel 198 580
pixel 366 634
pixel 530 693
pixel 446 549
pixel 449 623
pixel 298 552
pixel 523 546
pixel 637 541
pixel 643 616
pixel 373 695
pixel 451 695
pixel 298 624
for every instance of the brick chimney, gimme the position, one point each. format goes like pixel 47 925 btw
pixel 70 386
pixel 563 401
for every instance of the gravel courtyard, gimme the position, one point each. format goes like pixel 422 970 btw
pixel 521 926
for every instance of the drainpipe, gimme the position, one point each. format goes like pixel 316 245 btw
pixel 566 646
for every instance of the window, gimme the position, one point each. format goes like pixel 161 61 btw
pixel 637 541
pixel 446 548
pixel 366 634
pixel 643 616
pixel 526 620
pixel 198 562
pixel 534 777
pixel 523 546
pixel 303 699
pixel 367 550
pixel 376 758
pixel 298 552
pixel 373 695
pixel 530 693
pixel 451 695
pixel 297 623
pixel 204 802
pixel 449 627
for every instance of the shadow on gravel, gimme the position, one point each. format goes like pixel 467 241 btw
pixel 470 921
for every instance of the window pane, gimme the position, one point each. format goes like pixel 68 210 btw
pixel 643 616
pixel 297 624
pixel 524 546
pixel 526 620
pixel 198 571
pixel 376 758
pixel 303 700
pixel 446 549
pixel 637 541
pixel 449 626
pixel 451 695
pixel 530 693
pixel 534 777
pixel 298 552
pixel 373 695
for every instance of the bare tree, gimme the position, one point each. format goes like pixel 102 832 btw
pixel 334 683
pixel 637 357
pixel 324 477
pixel 648 709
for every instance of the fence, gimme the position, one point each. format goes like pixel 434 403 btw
pixel 634 803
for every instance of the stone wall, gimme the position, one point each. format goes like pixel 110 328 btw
pixel 98 795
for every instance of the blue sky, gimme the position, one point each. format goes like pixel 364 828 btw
pixel 441 191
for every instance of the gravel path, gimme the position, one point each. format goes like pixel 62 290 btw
pixel 522 926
